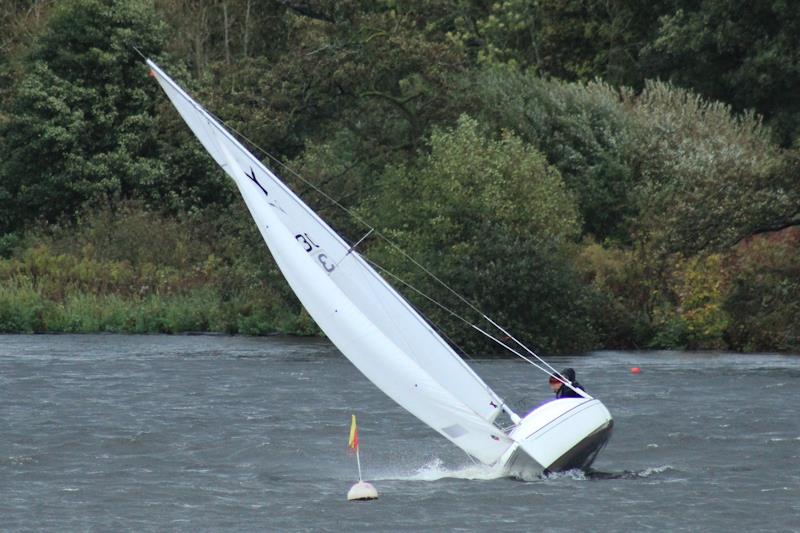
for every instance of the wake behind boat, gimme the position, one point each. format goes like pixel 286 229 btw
pixel 385 337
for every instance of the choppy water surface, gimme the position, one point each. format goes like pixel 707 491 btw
pixel 229 433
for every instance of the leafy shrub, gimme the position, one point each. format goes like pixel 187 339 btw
pixel 705 176
pixel 764 299
pixel 625 293
pixel 580 128
pixel 693 315
pixel 22 309
pixel 140 272
pixel 495 221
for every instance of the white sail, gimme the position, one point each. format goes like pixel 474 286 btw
pixel 364 317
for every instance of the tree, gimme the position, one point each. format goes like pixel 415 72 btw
pixel 364 80
pixel 705 177
pixel 764 298
pixel 742 53
pixel 209 31
pixel 582 129
pixel 495 221
pixel 80 124
pixel 576 40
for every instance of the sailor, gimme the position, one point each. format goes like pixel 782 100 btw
pixel 563 391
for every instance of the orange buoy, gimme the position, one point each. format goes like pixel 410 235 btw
pixel 636 370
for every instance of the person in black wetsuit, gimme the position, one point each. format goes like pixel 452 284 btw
pixel 561 390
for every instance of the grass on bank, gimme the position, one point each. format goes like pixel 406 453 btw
pixel 138 272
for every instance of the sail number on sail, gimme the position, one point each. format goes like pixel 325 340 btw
pixel 309 246
pixel 302 238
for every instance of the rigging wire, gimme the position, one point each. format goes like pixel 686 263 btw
pixel 453 313
pixel 546 368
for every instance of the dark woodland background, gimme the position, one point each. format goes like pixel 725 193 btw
pixel 590 173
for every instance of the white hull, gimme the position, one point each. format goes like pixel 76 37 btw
pixel 559 435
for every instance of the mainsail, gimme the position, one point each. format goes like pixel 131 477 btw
pixel 370 323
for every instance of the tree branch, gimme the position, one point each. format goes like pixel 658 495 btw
pixel 305 8
pixel 788 222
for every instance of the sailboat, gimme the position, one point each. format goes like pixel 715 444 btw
pixel 384 336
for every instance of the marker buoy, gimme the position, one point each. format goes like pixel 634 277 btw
pixel 362 491
pixel 636 370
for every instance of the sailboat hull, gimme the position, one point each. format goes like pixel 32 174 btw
pixel 559 435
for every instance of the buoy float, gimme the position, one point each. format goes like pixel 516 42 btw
pixel 362 491
pixel 636 370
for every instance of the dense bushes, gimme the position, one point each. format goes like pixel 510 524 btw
pixel 704 176
pixel 495 220
pixel 579 214
pixel 745 299
pixel 136 272
pixel 764 297
pixel 581 128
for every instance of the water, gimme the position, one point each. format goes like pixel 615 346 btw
pixel 144 433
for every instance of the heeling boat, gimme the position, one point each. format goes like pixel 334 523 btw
pixel 384 336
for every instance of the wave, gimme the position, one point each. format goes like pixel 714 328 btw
pixel 629 474
pixel 436 469
pixel 575 473
pixel 16 460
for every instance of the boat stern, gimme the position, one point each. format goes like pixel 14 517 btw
pixel 559 435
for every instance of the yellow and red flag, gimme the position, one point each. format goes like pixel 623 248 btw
pixel 353 442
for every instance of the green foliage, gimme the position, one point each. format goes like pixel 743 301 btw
pixel 701 288
pixel 625 286
pixel 212 31
pixel 21 307
pixel 705 177
pixel 738 52
pixel 79 129
pixel 582 129
pixel 82 130
pixel 20 21
pixel 496 221
pixel 374 69
pixel 136 272
pixel 503 32
pixel 113 218
pixel 570 39
pixel 665 165
pixel 764 300
pixel 696 318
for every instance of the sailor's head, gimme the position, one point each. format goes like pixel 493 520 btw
pixel 568 375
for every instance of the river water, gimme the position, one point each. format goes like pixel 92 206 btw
pixel 207 433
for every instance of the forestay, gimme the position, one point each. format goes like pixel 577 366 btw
pixel 364 316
